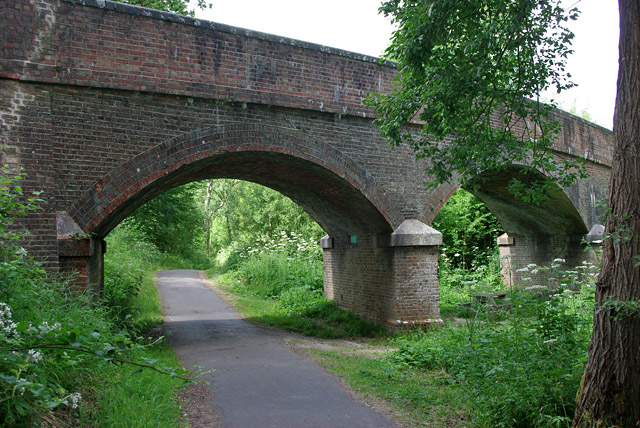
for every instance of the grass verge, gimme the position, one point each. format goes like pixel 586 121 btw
pixel 417 398
pixel 124 395
pixel 320 318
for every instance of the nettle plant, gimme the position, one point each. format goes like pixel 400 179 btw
pixel 27 383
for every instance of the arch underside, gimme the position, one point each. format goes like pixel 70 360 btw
pixel 334 203
pixel 554 215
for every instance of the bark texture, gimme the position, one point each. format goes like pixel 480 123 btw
pixel 609 395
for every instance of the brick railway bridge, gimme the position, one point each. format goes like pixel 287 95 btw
pixel 106 105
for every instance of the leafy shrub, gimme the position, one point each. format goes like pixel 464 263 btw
pixel 172 221
pixel 53 342
pixel 284 262
pixel 469 231
pixel 523 372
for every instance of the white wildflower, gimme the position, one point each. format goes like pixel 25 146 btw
pixel 75 399
pixel 36 356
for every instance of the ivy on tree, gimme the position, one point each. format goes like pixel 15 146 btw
pixel 471 73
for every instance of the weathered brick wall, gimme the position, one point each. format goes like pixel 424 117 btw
pixel 357 277
pixel 395 286
pixel 416 292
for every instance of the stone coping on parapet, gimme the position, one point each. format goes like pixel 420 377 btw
pixel 216 26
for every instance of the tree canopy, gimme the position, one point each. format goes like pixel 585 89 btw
pixel 471 73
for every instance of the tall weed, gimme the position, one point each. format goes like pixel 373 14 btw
pixel 522 372
pixel 56 346
pixel 274 266
pixel 269 275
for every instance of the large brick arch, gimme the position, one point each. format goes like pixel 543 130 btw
pixel 338 193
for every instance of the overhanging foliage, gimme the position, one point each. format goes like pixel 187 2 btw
pixel 471 73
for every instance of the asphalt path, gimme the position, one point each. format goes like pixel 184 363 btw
pixel 258 381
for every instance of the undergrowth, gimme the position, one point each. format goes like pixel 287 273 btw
pixel 458 284
pixel 67 359
pixel 280 283
pixel 521 372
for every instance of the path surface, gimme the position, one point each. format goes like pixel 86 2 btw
pixel 258 382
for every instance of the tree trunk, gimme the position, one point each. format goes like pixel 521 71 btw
pixel 609 394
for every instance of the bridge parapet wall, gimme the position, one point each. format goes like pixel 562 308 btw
pixel 111 45
pixel 103 44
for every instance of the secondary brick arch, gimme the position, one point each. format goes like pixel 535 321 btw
pixel 556 213
pixel 556 227
pixel 340 195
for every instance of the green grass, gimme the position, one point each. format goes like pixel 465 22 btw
pixel 148 312
pixel 416 397
pixel 134 398
pixel 324 319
